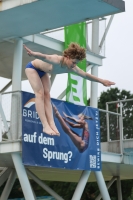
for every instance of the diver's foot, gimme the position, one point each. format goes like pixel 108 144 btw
pixel 54 128
pixel 48 130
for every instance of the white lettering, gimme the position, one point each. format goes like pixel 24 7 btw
pixel 45 140
pixel 30 138
pixel 57 155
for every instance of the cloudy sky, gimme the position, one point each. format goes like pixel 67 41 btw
pixel 118 64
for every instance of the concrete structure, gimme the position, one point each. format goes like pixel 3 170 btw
pixel 21 22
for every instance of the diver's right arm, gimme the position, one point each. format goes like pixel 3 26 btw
pixel 52 59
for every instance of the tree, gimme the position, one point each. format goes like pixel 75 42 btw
pixel 114 94
pixel 131 197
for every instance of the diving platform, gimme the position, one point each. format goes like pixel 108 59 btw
pixel 22 18
pixel 26 22
pixel 40 43
pixel 113 164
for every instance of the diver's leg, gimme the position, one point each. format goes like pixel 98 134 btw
pixel 38 89
pixel 47 103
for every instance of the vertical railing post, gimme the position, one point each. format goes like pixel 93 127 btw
pixel 107 121
pixel 121 131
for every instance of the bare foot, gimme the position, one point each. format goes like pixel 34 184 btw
pixel 54 128
pixel 48 130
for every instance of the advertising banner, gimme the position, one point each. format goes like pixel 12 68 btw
pixel 77 147
pixel 76 86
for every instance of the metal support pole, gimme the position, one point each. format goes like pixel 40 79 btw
pixel 24 181
pixel 9 185
pixel 62 95
pixel 44 186
pixel 94 70
pixel 102 186
pixel 108 186
pixel 6 87
pixel 81 185
pixel 93 100
pixel 16 119
pixel 119 188
pixel 16 85
pixel 107 121
pixel 4 175
pixel 106 31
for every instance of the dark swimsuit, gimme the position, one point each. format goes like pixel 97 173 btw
pixel 40 73
pixel 85 138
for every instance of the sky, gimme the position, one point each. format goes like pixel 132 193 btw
pixel 118 64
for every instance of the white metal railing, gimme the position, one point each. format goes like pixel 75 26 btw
pixel 124 109
pixel 120 110
pixel 5 115
pixel 102 34
pixel 106 124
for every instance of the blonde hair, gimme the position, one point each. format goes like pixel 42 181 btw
pixel 75 51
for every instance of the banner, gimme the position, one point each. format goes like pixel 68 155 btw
pixel 76 86
pixel 77 147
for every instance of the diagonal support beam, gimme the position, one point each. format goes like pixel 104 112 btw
pixel 108 186
pixel 81 185
pixel 21 172
pixel 9 185
pixel 102 186
pixel 106 31
pixel 44 186
pixel 6 87
pixel 4 175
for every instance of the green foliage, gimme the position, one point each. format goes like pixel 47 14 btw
pixel 114 94
pixel 131 197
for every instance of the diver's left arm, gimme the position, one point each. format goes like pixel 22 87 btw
pixel 91 77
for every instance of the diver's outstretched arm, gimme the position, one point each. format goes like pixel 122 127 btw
pixel 91 77
pixel 52 59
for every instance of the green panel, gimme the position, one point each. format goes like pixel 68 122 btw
pixel 76 33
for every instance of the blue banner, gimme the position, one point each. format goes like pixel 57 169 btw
pixel 77 147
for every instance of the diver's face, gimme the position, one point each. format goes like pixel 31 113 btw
pixel 71 63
